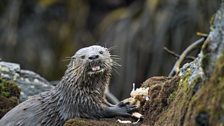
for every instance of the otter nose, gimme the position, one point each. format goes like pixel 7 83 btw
pixel 93 57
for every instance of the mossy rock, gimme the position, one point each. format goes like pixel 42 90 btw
pixel 8 89
pixel 161 89
pixel 9 96
pixel 207 106
pixel 204 108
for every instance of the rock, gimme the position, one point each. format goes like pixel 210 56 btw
pixel 29 82
pixel 199 98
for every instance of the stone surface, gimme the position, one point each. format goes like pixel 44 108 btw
pixel 29 82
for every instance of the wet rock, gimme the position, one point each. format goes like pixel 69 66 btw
pixel 29 82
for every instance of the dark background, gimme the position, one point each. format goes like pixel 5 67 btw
pixel 40 34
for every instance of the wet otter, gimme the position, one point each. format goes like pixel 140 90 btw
pixel 80 93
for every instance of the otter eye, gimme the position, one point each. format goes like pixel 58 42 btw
pixel 101 52
pixel 83 57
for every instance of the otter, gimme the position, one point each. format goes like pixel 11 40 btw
pixel 80 93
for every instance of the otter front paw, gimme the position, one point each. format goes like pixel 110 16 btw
pixel 123 109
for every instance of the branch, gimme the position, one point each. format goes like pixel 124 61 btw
pixel 177 55
pixel 176 67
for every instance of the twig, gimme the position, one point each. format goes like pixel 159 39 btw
pixel 177 55
pixel 176 67
pixel 202 34
pixel 171 52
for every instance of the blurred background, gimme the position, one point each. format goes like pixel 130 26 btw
pixel 40 34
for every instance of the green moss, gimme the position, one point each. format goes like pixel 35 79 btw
pixel 9 96
pixel 5 94
pixel 172 97
pixel 8 88
pixel 184 82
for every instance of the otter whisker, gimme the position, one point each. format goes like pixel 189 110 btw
pixel 68 59
pixel 116 64
pixel 116 56
pixel 65 60
pixel 116 70
pixel 115 59
pixel 112 48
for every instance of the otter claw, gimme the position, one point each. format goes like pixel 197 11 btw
pixel 127 107
pixel 124 110
pixel 131 108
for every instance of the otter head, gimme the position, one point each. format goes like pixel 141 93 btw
pixel 92 60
